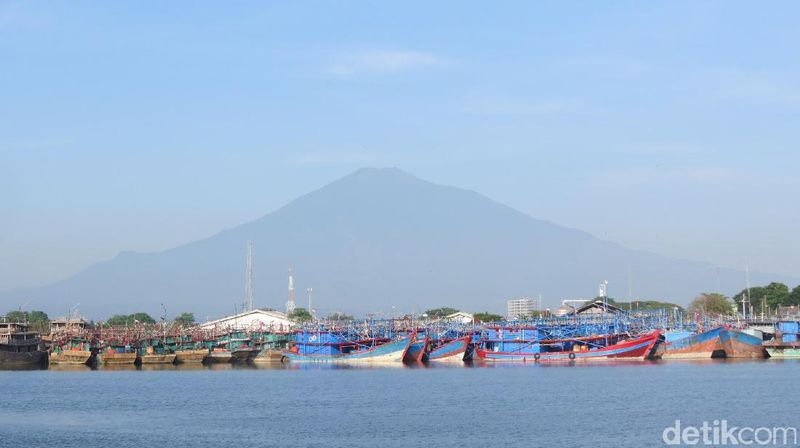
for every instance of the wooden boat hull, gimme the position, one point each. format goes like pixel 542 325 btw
pixel 269 355
pixel 244 354
pixel 219 357
pixel 453 351
pixel 71 357
pixel 190 356
pixel 158 359
pixel 390 352
pixel 638 348
pixel 704 345
pixel 784 352
pixel 416 351
pixel 23 360
pixel 738 344
pixel 113 358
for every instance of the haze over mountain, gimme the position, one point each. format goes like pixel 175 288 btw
pixel 380 240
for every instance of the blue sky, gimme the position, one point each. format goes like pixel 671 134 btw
pixel 664 126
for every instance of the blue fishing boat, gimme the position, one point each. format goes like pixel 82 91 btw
pixel 334 347
pixel 454 350
pixel 687 345
pixel 418 348
pixel 739 344
pixel 585 348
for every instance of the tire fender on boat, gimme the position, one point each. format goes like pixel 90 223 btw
pixel 536 356
pixel 572 356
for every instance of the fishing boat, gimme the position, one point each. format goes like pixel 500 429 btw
pixel 741 344
pixel 117 353
pixel 686 345
pixel 20 348
pixel 450 351
pixel 786 343
pixel 72 351
pixel 417 350
pixel 585 348
pixel 333 347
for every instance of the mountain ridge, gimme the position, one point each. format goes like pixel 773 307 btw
pixel 376 240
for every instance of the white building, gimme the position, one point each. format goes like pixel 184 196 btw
pixel 460 317
pixel 251 320
pixel 517 308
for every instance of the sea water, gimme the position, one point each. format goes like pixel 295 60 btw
pixel 611 404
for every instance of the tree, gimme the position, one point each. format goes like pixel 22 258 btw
pixel 185 319
pixel 794 297
pixel 771 296
pixel 33 317
pixel 340 316
pixel 711 303
pixel 487 317
pixel 438 313
pixel 130 319
pixel 300 315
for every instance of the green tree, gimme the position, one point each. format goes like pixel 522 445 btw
pixel 340 316
pixel 487 317
pixel 300 315
pixel 771 296
pixel 130 319
pixel 185 319
pixel 711 303
pixel 17 316
pixel 438 313
pixel 794 296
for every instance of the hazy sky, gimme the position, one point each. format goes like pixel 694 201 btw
pixel 669 126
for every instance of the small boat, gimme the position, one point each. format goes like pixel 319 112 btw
pixel 20 348
pixel 383 352
pixel 581 349
pixel 741 344
pixel 190 356
pixel 453 351
pixel 704 345
pixel 416 351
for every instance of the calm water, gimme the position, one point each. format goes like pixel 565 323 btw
pixel 609 405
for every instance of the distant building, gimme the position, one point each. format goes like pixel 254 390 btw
pixel 460 317
pixel 251 320
pixel 598 307
pixel 517 308
pixel 62 324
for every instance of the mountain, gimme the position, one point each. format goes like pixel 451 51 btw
pixel 380 240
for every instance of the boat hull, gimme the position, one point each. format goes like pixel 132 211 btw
pixel 269 355
pixel 416 351
pixel 784 352
pixel 219 357
pixel 453 351
pixel 23 360
pixel 113 358
pixel 638 348
pixel 704 345
pixel 244 354
pixel 738 344
pixel 158 359
pixel 71 357
pixel 190 356
pixel 390 352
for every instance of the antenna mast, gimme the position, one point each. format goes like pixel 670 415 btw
pixel 290 303
pixel 249 285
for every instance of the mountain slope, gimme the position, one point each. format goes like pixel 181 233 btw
pixel 374 240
